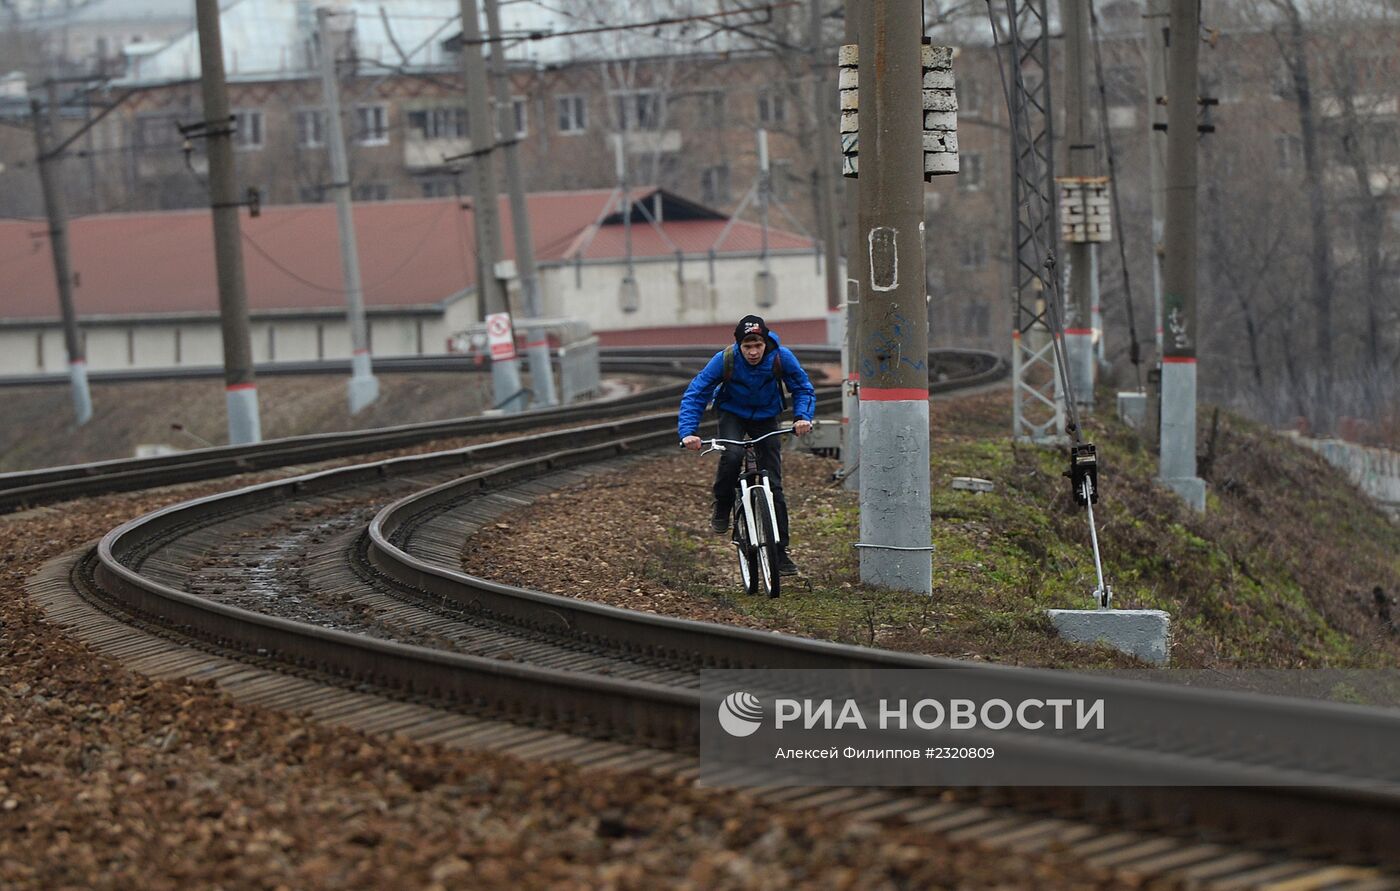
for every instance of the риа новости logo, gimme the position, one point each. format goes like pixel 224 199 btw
pixel 740 713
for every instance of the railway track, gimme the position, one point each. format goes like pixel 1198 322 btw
pixel 24 489
pixel 381 543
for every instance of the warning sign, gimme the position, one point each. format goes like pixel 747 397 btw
pixel 499 335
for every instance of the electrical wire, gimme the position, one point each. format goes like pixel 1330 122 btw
pixel 766 9
pixel 1135 349
pixel 417 249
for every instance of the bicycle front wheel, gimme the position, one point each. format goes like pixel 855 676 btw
pixel 767 547
pixel 748 562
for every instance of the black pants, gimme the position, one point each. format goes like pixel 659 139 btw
pixel 770 458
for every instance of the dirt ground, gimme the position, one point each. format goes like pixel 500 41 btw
pixel 111 780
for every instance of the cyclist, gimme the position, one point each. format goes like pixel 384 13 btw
pixel 748 397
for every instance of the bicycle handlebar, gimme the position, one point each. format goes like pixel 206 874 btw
pixel 717 445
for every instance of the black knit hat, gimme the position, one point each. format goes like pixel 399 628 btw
pixel 750 325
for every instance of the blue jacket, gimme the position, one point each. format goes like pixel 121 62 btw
pixel 751 392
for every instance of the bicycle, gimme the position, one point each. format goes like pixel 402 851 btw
pixel 755 520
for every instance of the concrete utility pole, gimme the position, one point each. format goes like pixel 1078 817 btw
pixel 364 386
pixel 536 339
pixel 857 281
pixel 1178 457
pixel 505 373
pixel 1079 331
pixel 1155 22
pixel 895 530
pixel 627 290
pixel 240 384
pixel 56 207
pixel 828 163
pixel 765 289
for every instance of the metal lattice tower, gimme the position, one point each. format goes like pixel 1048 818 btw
pixel 1038 408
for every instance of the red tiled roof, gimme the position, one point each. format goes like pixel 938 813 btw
pixel 412 253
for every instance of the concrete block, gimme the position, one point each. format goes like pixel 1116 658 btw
pixel 940 141
pixel 1192 490
pixel 940 163
pixel 936 56
pixel 940 100
pixel 940 120
pixel 1138 632
pixel 939 80
pixel 972 484
pixel 1132 409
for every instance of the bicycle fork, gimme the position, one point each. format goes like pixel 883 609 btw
pixel 745 491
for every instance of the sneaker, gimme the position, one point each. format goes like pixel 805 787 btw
pixel 785 564
pixel 719 521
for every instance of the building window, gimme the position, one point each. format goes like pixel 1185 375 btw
pixel 157 131
pixel 977 319
pixel 248 130
pixel 638 110
pixel 520 113
pixel 1289 151
pixel 372 124
pixel 714 184
pixel 438 123
pixel 437 187
pixel 969 96
pixel 371 191
pixel 772 107
pixel 311 127
pixel 1125 85
pixel 972 252
pixel 780 179
pixel 1385 141
pixel 969 170
pixel 572 113
pixel 712 109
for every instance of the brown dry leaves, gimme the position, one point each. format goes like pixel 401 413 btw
pixel 109 780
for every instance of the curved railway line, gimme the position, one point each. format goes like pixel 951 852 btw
pixel 353 575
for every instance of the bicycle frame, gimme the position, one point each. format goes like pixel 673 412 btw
pixel 746 487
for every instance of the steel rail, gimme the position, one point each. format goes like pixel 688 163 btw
pixel 23 489
pixel 1366 804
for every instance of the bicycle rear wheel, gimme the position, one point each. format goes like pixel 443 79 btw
pixel 767 547
pixel 748 569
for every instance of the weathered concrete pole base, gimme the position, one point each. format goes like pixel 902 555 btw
pixel 1138 632
pixel 1132 409
pixel 505 385
pixel 1191 489
pixel 244 422
pixel 895 528
pixel 363 388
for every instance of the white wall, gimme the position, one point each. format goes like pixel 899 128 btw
pixel 664 301
pixel 111 347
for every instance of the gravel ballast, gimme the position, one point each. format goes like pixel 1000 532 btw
pixel 111 780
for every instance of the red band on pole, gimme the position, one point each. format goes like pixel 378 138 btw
pixel 1179 360
pixel 1083 331
pixel 231 387
pixel 536 343
pixel 853 376
pixel 893 394
pixel 362 352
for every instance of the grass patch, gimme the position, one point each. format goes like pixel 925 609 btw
pixel 1278 573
